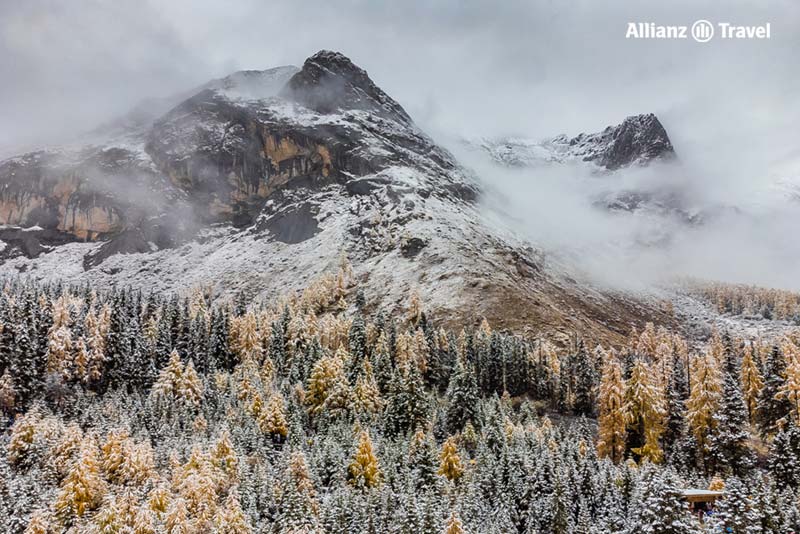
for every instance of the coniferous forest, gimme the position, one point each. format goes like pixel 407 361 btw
pixel 131 412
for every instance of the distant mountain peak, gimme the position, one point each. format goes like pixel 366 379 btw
pixel 637 140
pixel 330 82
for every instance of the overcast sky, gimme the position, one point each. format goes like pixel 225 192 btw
pixel 460 67
pixel 534 67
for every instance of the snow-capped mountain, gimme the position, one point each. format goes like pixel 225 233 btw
pixel 636 141
pixel 256 183
pixel 634 144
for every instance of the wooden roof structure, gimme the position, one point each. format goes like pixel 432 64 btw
pixel 700 495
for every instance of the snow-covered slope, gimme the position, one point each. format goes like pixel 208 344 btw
pixel 256 190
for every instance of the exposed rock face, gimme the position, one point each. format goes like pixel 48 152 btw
pixel 638 140
pixel 48 190
pixel 330 82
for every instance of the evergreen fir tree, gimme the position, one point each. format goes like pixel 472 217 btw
pixel 422 460
pixel 407 402
pixel 585 378
pixel 298 509
pixel 663 510
pixel 772 409
pixel 677 395
pixel 357 347
pixel 462 398
pixel 729 442
pixel 737 512
pixel 784 457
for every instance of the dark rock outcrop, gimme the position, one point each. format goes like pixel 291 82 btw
pixel 330 82
pixel 637 140
pixel 127 242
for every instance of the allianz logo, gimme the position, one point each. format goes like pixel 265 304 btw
pixel 701 31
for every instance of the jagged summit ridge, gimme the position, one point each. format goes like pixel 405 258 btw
pixel 330 82
pixel 638 140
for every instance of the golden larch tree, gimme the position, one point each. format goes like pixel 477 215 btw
pixel 752 382
pixel 611 420
pixel 8 393
pixel 272 420
pixel 84 488
pixel 230 518
pixel 645 408
pixel 454 525
pixel 450 462
pixel 704 396
pixel 366 394
pixel 790 390
pixel 364 470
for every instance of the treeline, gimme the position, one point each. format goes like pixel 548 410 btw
pixel 144 413
pixel 740 299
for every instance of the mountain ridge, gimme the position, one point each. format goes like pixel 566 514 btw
pixel 260 196
pixel 637 141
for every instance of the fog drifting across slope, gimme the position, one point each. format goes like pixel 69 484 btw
pixel 728 236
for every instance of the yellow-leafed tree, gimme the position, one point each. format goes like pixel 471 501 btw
pixel 84 488
pixel 450 462
pixel 327 376
pixel 272 420
pixel 191 387
pixel 454 525
pixel 230 518
pixel 645 411
pixel 224 457
pixel 752 383
pixel 366 394
pixel 364 470
pixel 704 397
pixel 611 420
pixel 8 393
pixel 40 523
pixel 790 390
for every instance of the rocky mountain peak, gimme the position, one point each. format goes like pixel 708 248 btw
pixel 330 82
pixel 640 138
pixel 637 140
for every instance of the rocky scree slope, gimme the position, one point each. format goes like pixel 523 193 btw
pixel 257 182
